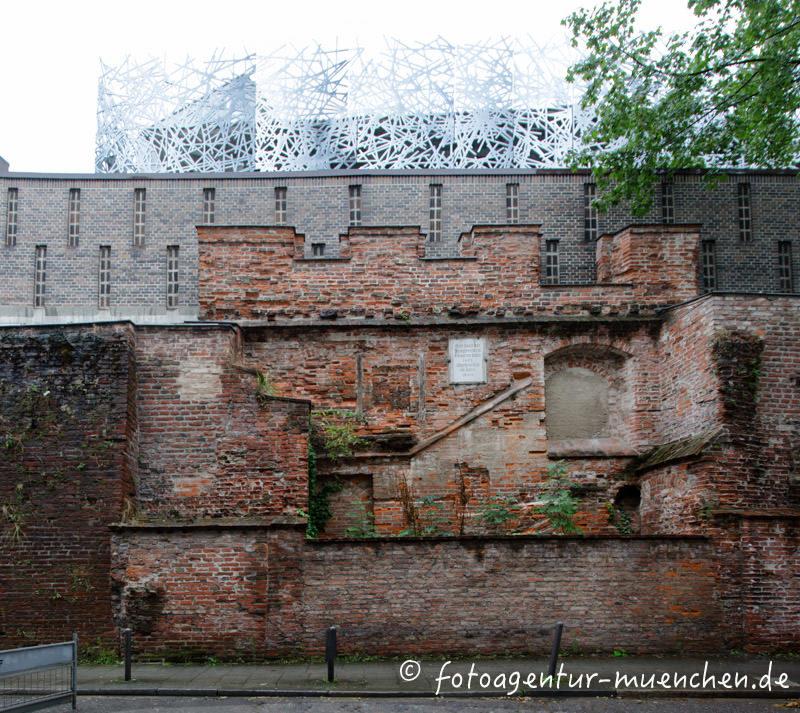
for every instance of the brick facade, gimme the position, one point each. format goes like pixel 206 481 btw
pixel 201 544
pixel 318 211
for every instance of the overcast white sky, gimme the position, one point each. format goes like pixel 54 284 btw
pixel 50 51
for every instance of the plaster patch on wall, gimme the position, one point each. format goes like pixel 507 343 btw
pixel 577 404
pixel 199 380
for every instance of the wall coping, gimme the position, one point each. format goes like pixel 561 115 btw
pixel 523 537
pixel 242 524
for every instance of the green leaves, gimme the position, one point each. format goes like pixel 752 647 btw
pixel 723 95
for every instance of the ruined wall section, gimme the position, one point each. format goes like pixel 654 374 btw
pixel 210 445
pixel 768 375
pixel 65 476
pixel 398 378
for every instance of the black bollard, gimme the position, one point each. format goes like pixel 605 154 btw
pixel 556 647
pixel 127 645
pixel 330 650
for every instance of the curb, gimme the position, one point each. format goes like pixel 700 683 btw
pixel 628 693
pixel 330 693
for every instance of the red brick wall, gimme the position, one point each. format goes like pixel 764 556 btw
pixel 192 592
pixel 659 260
pixel 209 445
pixel 236 592
pixel 64 477
pixel 507 446
pixel 257 274
pixel 771 582
pixel 498 596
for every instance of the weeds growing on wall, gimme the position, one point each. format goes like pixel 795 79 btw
pixel 362 521
pixel 423 517
pixel 266 384
pixel 495 511
pixel 559 506
pixel 333 432
pixel 620 519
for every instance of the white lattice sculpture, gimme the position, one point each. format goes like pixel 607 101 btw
pixel 495 105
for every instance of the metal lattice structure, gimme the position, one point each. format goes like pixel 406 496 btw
pixel 422 106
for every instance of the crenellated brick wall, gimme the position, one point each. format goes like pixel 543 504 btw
pixel 252 274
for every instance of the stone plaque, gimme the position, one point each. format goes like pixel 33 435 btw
pixel 467 361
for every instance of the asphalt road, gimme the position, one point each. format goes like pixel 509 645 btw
pixel 141 704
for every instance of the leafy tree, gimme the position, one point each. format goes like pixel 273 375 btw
pixel 724 94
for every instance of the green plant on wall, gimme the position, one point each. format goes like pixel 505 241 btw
pixel 362 521
pixel 333 431
pixel 558 504
pixel 495 511
pixel 266 384
pixel 14 512
pixel 619 519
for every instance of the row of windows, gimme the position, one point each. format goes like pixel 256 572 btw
pixel 550 276
pixel 708 265
pixel 104 277
pixel 354 193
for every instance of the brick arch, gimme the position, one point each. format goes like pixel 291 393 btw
pixel 588 393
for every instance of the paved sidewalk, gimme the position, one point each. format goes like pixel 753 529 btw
pixel 629 675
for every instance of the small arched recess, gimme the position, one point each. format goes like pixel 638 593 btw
pixel 588 401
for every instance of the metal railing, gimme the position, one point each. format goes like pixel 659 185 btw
pixel 38 677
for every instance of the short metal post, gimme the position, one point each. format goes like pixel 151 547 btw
pixel 330 650
pixel 556 647
pixel 74 676
pixel 127 645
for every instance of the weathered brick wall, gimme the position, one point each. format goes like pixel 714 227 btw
pixel 770 427
pixel 64 477
pixel 259 274
pixel 660 261
pixel 771 582
pixel 193 592
pixel 238 593
pixel 399 379
pixel 498 596
pixel 209 444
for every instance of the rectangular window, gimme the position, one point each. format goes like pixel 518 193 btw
pixel 435 233
pixel 172 276
pixel 355 205
pixel 512 202
pixel 208 205
pixel 138 217
pixel 745 223
pixel 74 217
pixel 551 262
pixel 104 278
pixel 667 204
pixel 317 249
pixel 709 265
pixel 280 206
pixel 11 217
pixel 785 266
pixel 39 275
pixel 589 212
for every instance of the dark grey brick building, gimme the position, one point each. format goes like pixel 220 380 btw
pixel 110 246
